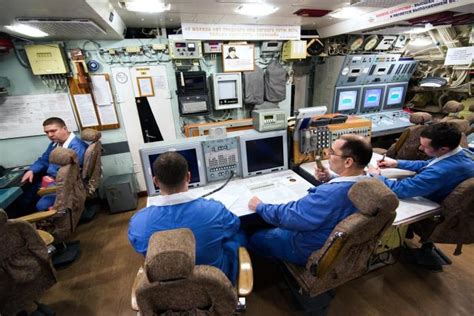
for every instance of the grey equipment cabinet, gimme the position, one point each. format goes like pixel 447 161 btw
pixel 121 192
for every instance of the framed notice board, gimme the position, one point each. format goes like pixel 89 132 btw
pixel 95 106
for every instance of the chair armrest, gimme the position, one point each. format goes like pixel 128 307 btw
pixel 140 275
pixel 48 190
pixel 45 236
pixel 37 216
pixel 245 280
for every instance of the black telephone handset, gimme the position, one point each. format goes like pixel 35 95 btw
pixel 2 171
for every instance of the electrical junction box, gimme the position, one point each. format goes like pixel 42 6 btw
pixel 46 59
pixel 132 49
pixel 294 50
pixel 159 47
pixel 227 90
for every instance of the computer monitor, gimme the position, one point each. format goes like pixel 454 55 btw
pixel 347 100
pixel 263 152
pixel 191 151
pixel 372 99
pixel 395 96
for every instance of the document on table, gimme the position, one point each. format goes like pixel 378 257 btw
pixel 414 207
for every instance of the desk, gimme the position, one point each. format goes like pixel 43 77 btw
pixel 278 187
pixel 12 177
pixel 8 195
pixel 409 210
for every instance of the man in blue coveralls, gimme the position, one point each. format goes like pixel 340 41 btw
pixel 303 226
pixel 437 177
pixel 214 227
pixel 58 133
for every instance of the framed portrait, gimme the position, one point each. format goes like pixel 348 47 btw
pixel 238 57
pixel 145 86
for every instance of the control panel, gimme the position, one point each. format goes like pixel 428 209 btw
pixel 388 122
pixel 382 69
pixel 221 156
pixel 269 120
pixel 212 47
pixel 185 49
pixel 318 139
pixel 354 69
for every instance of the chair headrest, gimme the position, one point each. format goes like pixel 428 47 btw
pixel 171 255
pixel 462 125
pixel 471 107
pixel 370 196
pixel 90 135
pixel 452 106
pixel 62 156
pixel 3 217
pixel 420 117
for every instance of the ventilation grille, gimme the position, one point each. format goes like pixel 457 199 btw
pixel 82 28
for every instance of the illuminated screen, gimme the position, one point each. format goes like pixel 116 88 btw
pixel 372 98
pixel 191 158
pixel 227 89
pixel 265 153
pixel 395 95
pixel 347 100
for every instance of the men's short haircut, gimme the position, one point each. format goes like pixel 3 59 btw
pixel 357 148
pixel 442 134
pixel 54 120
pixel 170 169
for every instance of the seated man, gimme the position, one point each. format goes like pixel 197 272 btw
pixel 435 178
pixel 215 228
pixel 304 225
pixel 58 133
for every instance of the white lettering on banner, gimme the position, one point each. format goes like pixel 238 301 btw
pixel 405 9
pixel 201 31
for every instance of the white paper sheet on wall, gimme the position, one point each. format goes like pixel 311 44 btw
pixel 107 114
pixel 101 90
pixel 85 110
pixel 22 116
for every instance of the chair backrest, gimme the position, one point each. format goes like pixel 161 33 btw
pixel 92 167
pixel 457 224
pixel 70 195
pixel 173 285
pixel 347 251
pixel 25 267
pixel 406 147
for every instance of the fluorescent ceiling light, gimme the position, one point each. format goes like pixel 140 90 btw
pixel 147 6
pixel 26 30
pixel 345 13
pixel 256 9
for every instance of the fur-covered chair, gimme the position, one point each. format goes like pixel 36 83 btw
pixel 25 266
pixel 347 251
pixel 92 167
pixel 456 223
pixel 171 284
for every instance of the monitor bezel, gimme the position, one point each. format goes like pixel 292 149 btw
pixel 262 135
pixel 398 106
pixel 160 149
pixel 362 99
pixel 337 94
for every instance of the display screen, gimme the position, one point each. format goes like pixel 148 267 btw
pixel 347 100
pixel 191 158
pixel 196 82
pixel 265 153
pixel 227 89
pixel 372 98
pixel 178 44
pixel 395 95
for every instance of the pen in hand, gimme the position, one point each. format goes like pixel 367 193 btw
pixel 383 158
